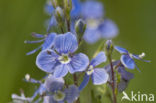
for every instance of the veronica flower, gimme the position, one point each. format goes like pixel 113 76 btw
pixel 58 94
pixel 47 40
pixel 96 28
pixel 127 58
pixel 61 60
pixel 98 75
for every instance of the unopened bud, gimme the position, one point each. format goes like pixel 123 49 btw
pixel 109 47
pixel 80 28
pixel 59 14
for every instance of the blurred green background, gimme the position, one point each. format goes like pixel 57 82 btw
pixel 18 18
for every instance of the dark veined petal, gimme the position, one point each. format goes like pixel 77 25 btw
pixel 127 61
pixel 91 35
pixel 109 29
pixel 53 84
pixel 137 57
pixel 66 43
pixel 72 93
pixel 84 82
pixel 79 63
pixel 49 41
pixel 99 76
pixel 47 60
pixel 61 70
pixel 125 74
pixel 121 50
pixel 100 58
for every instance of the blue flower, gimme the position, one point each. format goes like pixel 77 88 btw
pixel 108 29
pixel 61 60
pixel 57 94
pixel 48 41
pixel 97 29
pixel 99 76
pixel 127 58
pixel 92 9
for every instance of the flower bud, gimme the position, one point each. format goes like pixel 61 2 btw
pixel 80 28
pixel 109 47
pixel 59 14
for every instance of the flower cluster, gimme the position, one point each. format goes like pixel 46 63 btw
pixel 61 57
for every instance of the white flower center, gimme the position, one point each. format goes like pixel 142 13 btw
pixel 90 70
pixel 64 59
pixel 92 23
pixel 59 96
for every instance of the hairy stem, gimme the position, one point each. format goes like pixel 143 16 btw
pixel 113 81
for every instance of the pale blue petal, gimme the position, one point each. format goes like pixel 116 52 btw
pixel 51 23
pixel 100 58
pixel 47 60
pixel 84 82
pixel 33 51
pixel 36 35
pixel 127 61
pixel 49 41
pixel 72 93
pixel 137 57
pixel 121 50
pixel 92 9
pixel 91 35
pixel 31 42
pixel 49 8
pixel 61 70
pixel 108 29
pixel 53 84
pixel 79 63
pixel 99 76
pixel 66 43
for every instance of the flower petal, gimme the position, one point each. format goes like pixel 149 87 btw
pixel 91 35
pixel 108 29
pixel 66 43
pixel 49 41
pixel 99 76
pixel 53 84
pixel 33 51
pixel 125 74
pixel 121 50
pixel 47 60
pixel 100 58
pixel 79 63
pixel 84 82
pixel 127 61
pixel 72 93
pixel 61 70
pixel 137 57
pixel 92 9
